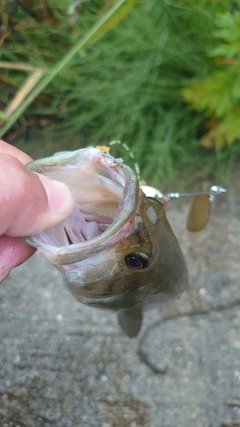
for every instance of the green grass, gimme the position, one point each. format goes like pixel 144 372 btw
pixel 125 86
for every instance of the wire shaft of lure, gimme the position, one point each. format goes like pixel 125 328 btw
pixel 214 190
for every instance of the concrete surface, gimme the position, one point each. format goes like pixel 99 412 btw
pixel 66 365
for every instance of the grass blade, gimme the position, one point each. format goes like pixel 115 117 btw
pixel 109 19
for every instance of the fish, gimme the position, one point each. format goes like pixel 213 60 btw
pixel 116 249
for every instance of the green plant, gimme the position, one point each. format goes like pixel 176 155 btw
pixel 126 86
pixel 109 19
pixel 219 94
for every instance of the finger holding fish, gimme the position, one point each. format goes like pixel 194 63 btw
pixel 25 206
pixel 29 203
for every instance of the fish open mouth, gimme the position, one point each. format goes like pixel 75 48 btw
pixel 96 203
pixel 105 197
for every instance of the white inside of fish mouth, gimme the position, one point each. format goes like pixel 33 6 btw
pixel 97 198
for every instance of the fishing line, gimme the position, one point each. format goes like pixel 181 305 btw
pixel 142 353
pixel 130 153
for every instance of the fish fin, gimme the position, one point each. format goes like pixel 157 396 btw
pixel 130 320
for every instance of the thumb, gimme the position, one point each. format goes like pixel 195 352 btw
pixel 29 202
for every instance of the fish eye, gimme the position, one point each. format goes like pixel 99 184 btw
pixel 137 260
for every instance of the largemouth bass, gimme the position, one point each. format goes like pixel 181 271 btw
pixel 116 250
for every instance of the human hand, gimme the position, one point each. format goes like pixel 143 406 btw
pixel 29 204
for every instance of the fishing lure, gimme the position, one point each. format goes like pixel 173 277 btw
pixel 200 209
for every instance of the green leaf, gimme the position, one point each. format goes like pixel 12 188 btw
pixel 228 34
pixel 230 125
pixel 214 94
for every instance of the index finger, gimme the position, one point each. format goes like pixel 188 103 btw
pixel 6 148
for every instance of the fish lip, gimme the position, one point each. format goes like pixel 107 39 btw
pixel 63 255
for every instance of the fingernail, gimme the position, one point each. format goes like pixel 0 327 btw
pixel 60 197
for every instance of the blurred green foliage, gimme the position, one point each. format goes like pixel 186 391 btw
pixel 126 86
pixel 219 93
